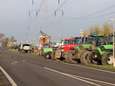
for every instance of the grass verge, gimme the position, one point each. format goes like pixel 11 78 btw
pixel 103 67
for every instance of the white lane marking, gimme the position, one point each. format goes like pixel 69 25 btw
pixel 91 68
pixel 71 76
pixel 8 77
pixel 95 80
pixel 23 60
pixel 14 62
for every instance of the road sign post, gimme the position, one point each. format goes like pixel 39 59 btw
pixel 112 20
pixel 113 48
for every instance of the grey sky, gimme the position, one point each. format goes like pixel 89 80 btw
pixel 14 19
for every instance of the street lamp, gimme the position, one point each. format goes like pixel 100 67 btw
pixel 112 20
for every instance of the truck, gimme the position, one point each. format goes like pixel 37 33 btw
pixel 25 47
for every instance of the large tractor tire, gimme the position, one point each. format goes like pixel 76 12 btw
pixel 69 58
pixel 95 58
pixel 86 58
pixel 48 55
pixel 57 54
pixel 107 59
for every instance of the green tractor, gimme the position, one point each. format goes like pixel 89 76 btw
pixel 103 54
pixel 47 51
pixel 95 50
pixel 86 51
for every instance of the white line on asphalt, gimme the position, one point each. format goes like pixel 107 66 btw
pixel 71 76
pixel 94 80
pixel 91 68
pixel 8 77
pixel 14 62
pixel 23 60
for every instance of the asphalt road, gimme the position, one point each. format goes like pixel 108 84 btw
pixel 30 70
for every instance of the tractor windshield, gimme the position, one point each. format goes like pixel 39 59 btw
pixel 46 46
pixel 26 45
pixel 110 39
pixel 96 39
pixel 77 40
pixel 72 41
pixel 68 41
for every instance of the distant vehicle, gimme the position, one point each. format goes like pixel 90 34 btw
pixel 27 48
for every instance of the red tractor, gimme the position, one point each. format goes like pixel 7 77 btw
pixel 70 43
pixel 67 48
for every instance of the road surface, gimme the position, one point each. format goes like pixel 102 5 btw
pixel 30 70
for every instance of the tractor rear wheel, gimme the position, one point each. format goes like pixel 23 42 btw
pixel 57 54
pixel 86 58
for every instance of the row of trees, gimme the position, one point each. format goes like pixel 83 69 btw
pixel 6 41
pixel 105 30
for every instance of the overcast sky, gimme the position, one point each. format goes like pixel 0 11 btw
pixel 78 15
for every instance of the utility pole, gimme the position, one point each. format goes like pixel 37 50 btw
pixel 113 47
pixel 112 20
pixel 58 1
pixel 59 9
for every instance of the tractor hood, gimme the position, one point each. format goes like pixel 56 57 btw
pixel 47 50
pixel 105 49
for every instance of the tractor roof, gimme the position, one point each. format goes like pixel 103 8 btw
pixel 68 38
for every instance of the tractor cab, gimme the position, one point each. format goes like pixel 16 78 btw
pixel 70 43
pixel 96 40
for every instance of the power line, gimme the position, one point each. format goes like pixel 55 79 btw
pixel 90 15
pixel 59 1
pixel 60 7
pixel 43 2
pixel 35 11
pixel 32 2
pixel 94 16
pixel 103 10
pixel 97 13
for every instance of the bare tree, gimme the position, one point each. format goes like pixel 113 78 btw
pixel 5 42
pixel 97 29
pixel 107 29
pixel 1 37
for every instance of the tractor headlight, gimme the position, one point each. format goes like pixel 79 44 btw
pixel 95 56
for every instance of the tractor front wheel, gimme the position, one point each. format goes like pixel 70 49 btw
pixel 48 56
pixel 107 59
